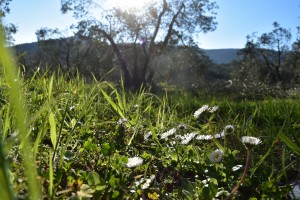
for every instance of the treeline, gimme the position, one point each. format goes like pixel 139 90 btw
pixel 154 46
pixel 269 63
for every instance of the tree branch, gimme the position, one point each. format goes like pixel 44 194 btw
pixel 161 14
pixel 170 29
pixel 159 19
pixel 123 64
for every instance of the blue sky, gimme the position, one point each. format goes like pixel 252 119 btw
pixel 236 19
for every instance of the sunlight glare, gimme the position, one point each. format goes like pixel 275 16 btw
pixel 127 4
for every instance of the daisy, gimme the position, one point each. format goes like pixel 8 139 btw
pixel 250 141
pixel 122 121
pixel 204 137
pixel 148 182
pixel 216 156
pixel 134 162
pixel 200 111
pixel 182 127
pixel 188 137
pixel 85 191
pixel 147 135
pixel 229 129
pixel 168 133
pixel 213 109
pixel 206 181
pixel 237 167
pixel 219 135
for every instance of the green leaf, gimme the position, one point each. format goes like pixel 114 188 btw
pixel 210 190
pixel 115 194
pixel 205 192
pixel 52 129
pixel 187 185
pixel 100 187
pixel 93 178
pixel 213 189
pixel 113 181
pixel 174 156
pixel 88 145
pixel 73 123
pixel 105 149
pixel 289 143
pixel 234 152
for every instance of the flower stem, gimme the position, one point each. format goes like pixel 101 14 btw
pixel 243 175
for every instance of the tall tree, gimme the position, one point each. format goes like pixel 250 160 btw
pixel 268 51
pixel 137 35
pixel 294 58
pixel 9 29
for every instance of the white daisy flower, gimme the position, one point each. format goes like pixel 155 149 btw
pixel 248 140
pixel 122 121
pixel 85 191
pixel 200 111
pixel 148 182
pixel 204 137
pixel 206 181
pixel 219 135
pixel 219 193
pixel 147 135
pixel 213 109
pixel 188 137
pixel 168 133
pixel 216 156
pixel 134 162
pixel 237 167
pixel 229 129
pixel 182 127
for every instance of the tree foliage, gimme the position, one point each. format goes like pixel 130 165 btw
pixel 144 32
pixel 294 58
pixel 268 62
pixel 265 55
pixel 9 29
pixel 4 7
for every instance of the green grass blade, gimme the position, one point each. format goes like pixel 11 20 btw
pixel 51 174
pixel 112 103
pixel 5 186
pixel 289 143
pixel 7 123
pixel 53 134
pixel 154 135
pixel 50 88
pixel 18 103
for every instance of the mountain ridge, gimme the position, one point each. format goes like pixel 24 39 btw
pixel 222 56
pixel 218 56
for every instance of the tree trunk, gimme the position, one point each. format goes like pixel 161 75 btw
pixel 122 63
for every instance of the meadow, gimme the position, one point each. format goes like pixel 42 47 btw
pixel 65 138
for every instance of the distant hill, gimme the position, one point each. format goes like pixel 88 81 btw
pixel 218 56
pixel 28 47
pixel 222 56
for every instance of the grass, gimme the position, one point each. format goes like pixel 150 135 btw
pixel 64 138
